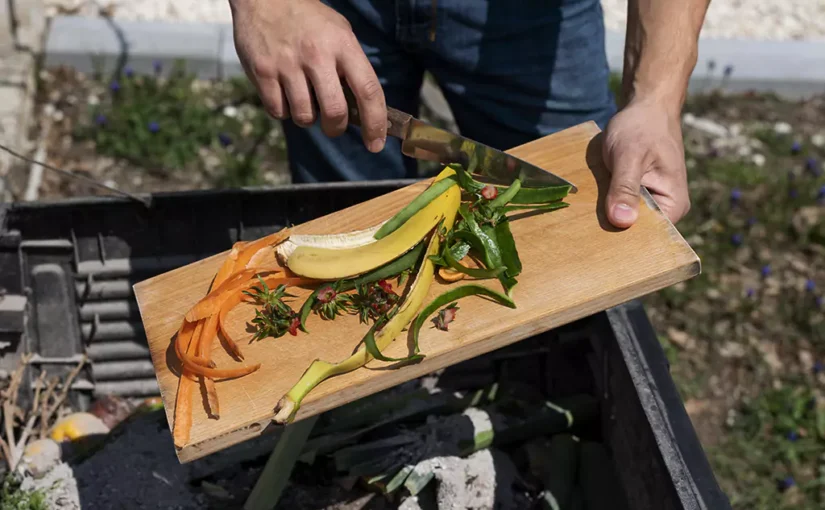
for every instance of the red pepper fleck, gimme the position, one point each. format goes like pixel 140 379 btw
pixel 384 284
pixel 489 192
pixel 445 317
pixel 294 325
pixel 326 294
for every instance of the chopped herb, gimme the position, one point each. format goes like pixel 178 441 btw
pixel 331 302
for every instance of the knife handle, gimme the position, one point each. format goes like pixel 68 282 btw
pixel 397 121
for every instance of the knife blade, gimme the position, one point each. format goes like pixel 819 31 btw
pixel 423 141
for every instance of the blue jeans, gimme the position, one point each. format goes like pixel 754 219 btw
pixel 511 70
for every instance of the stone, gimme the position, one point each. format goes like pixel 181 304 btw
pixel 782 128
pixel 59 487
pixel 41 456
pixel 759 160
pixel 706 126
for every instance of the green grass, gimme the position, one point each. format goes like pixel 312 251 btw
pixel 12 497
pixel 165 124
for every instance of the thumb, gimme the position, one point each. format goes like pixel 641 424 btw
pixel 624 193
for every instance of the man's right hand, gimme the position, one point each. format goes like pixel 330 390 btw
pixel 290 49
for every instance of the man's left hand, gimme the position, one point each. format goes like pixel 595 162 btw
pixel 643 147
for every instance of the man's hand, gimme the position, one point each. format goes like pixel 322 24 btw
pixel 294 50
pixel 643 147
pixel 643 142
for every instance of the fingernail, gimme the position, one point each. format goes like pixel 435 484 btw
pixel 376 145
pixel 624 213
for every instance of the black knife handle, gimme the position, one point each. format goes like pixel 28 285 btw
pixel 397 121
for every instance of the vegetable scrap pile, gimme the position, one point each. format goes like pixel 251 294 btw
pixel 457 227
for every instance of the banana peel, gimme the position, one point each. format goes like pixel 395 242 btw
pixel 336 262
pixel 321 370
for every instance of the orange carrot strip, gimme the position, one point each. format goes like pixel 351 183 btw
pixel 211 303
pixel 204 352
pixel 217 373
pixel 188 334
pixel 254 247
pixel 183 401
pixel 223 273
pixel 210 331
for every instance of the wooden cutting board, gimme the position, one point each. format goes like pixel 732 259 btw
pixel 575 264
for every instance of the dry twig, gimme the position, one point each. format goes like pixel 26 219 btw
pixel 41 412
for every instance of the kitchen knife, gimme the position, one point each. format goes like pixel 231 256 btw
pixel 424 141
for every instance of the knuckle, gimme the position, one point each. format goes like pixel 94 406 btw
pixel 627 188
pixel 303 116
pixel 310 51
pixel 371 90
pixel 264 68
pixel 273 110
pixel 335 111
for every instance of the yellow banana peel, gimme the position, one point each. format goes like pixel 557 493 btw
pixel 321 370
pixel 335 263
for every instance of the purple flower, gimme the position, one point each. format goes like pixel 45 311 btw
pixel 157 66
pixel 817 368
pixel 750 292
pixel 129 72
pixel 711 65
pixel 793 193
pixel 751 221
pixel 818 301
pixel 225 139
pixel 736 239
pixel 812 166
pixel 792 436
pixel 786 483
pixel 714 152
pixel 810 285
pixel 821 193
pixel 100 119
pixel 114 86
pixel 766 270
pixel 728 70
pixel 735 195
pixel 154 127
pixel 796 147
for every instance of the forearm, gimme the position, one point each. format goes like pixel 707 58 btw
pixel 661 50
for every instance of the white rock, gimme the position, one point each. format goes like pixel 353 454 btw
pixel 759 160
pixel 41 456
pixel 230 111
pixel 818 139
pixel 744 151
pixel 732 350
pixel 782 128
pixel 59 487
pixel 707 126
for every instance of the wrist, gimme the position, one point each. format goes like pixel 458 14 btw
pixel 667 99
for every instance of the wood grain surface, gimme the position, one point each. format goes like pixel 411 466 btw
pixel 575 264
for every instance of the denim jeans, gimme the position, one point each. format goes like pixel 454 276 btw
pixel 511 70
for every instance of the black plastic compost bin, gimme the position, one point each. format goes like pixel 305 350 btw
pixel 67 270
